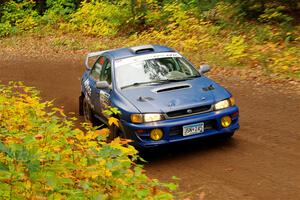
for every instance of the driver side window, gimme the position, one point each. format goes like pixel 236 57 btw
pixel 96 70
pixel 106 72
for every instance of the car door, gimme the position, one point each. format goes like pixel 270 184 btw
pixel 94 78
pixel 104 94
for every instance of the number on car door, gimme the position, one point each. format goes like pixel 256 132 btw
pixel 101 71
pixel 105 76
pixel 94 77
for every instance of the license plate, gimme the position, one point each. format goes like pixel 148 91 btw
pixel 193 129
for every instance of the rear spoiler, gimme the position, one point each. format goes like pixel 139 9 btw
pixel 91 55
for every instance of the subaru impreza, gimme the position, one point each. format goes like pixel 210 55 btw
pixel 161 96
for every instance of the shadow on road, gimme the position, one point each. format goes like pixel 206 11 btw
pixel 187 148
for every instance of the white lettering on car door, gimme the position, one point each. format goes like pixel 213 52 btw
pixel 104 99
pixel 87 87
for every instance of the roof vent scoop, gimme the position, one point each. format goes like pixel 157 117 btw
pixel 175 87
pixel 142 49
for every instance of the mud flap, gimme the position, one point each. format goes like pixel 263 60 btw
pixel 81 97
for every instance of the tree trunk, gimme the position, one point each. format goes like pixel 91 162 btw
pixel 40 6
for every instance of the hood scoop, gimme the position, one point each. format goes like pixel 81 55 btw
pixel 174 87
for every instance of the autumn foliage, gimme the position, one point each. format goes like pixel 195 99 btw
pixel 43 156
pixel 261 35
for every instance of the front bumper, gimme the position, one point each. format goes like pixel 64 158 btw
pixel 172 128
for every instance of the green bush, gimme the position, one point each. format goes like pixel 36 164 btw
pixel 222 13
pixel 42 156
pixel 18 16
pixel 58 11
pixel 5 29
pixel 275 15
pixel 236 49
pixel 99 18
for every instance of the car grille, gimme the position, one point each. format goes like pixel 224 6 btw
pixel 190 111
pixel 178 130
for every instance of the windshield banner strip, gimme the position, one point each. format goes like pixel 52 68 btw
pixel 146 57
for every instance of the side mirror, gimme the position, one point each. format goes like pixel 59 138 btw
pixel 204 68
pixel 103 85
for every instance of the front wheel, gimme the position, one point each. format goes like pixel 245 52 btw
pixel 116 132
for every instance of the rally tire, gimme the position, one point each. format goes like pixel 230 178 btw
pixel 116 132
pixel 87 112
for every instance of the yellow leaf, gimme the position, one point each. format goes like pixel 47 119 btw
pixel 108 173
pixel 285 68
pixel 80 136
pixel 56 149
pixel 70 141
pixel 104 132
pixel 114 121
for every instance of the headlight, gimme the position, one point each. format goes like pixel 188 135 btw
pixel 224 104
pixel 149 117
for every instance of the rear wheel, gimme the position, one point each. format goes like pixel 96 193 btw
pixel 88 113
pixel 89 117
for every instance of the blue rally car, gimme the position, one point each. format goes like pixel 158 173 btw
pixel 162 97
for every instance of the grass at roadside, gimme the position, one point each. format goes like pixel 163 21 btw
pixel 74 46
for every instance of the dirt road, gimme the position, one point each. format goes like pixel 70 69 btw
pixel 262 161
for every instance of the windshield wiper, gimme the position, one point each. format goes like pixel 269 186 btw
pixel 182 79
pixel 138 84
pixel 159 81
pixel 192 77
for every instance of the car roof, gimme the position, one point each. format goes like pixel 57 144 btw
pixel 137 50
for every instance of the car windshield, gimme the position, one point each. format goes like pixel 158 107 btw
pixel 153 68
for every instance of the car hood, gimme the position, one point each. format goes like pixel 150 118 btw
pixel 169 97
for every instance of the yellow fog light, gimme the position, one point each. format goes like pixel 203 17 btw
pixel 226 121
pixel 156 134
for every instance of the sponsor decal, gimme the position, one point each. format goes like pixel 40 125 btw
pixel 146 57
pixel 104 99
pixel 102 60
pixel 87 87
